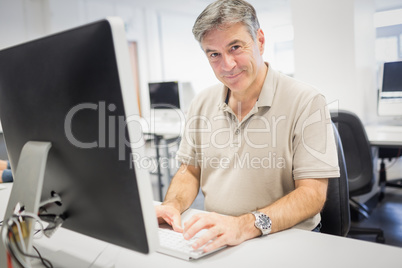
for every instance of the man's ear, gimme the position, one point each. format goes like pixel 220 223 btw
pixel 260 40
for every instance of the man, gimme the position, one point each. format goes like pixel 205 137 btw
pixel 260 146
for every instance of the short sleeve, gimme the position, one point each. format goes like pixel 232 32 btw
pixel 187 149
pixel 315 153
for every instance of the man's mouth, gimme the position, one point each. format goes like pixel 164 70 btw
pixel 233 76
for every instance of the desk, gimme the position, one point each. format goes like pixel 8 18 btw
pixel 384 136
pixel 164 128
pixel 291 248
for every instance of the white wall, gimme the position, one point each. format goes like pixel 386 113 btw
pixel 20 20
pixel 334 50
pixel 182 57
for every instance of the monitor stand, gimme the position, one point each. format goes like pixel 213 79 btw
pixel 27 188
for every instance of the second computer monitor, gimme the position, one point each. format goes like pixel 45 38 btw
pixel 169 100
pixel 390 95
pixel 164 95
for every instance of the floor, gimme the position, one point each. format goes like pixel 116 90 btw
pixel 386 215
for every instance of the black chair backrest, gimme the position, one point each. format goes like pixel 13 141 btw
pixel 335 216
pixel 357 151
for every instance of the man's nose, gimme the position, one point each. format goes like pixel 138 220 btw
pixel 228 62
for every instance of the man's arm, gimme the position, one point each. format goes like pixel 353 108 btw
pixel 304 202
pixel 181 193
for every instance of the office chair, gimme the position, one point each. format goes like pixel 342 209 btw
pixel 359 165
pixel 335 216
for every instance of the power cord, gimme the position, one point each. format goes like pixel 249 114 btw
pixel 18 224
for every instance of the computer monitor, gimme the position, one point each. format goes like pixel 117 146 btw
pixel 169 100
pixel 164 95
pixel 74 91
pixel 390 93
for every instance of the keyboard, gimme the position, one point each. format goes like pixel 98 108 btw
pixel 173 243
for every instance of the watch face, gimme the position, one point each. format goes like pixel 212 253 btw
pixel 264 221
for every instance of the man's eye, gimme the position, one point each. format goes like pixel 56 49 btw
pixel 213 55
pixel 234 48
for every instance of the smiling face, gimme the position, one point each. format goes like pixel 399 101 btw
pixel 236 58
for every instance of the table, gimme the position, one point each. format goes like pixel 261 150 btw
pixel 290 248
pixel 384 135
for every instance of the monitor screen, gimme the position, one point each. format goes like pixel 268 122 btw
pixel 390 95
pixel 392 77
pixel 164 95
pixel 74 89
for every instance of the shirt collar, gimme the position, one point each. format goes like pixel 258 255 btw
pixel 223 94
pixel 268 88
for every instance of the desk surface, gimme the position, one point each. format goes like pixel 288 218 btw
pixel 291 248
pixel 167 128
pixel 383 135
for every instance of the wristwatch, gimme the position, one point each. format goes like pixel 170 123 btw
pixel 262 222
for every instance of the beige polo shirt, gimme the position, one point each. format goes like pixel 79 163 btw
pixel 250 164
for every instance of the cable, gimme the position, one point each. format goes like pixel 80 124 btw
pixel 8 234
pixel 9 261
pixel 37 220
pixel 44 261
pixel 22 241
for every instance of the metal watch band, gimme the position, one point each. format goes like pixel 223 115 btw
pixel 262 222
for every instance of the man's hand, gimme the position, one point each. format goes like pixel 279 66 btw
pixel 223 230
pixel 170 215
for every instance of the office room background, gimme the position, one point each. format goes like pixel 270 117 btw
pixel 337 46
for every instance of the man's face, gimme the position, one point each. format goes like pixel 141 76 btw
pixel 234 56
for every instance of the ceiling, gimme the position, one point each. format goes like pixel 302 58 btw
pixel 383 5
pixel 273 5
pixel 281 7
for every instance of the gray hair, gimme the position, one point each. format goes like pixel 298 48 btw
pixel 223 13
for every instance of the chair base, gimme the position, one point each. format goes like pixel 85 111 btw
pixel 359 209
pixel 368 231
pixel 358 212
